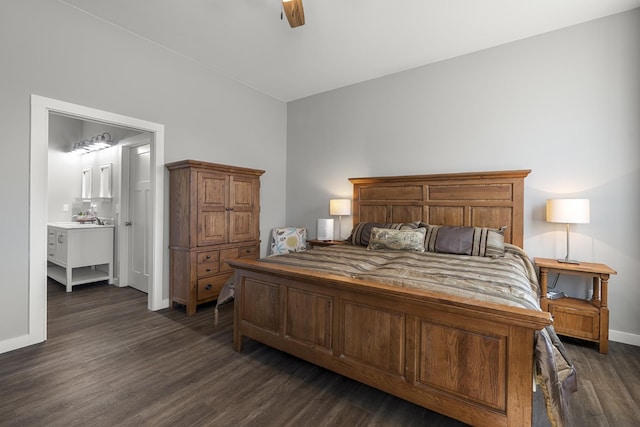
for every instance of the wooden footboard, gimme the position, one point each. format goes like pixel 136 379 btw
pixel 472 363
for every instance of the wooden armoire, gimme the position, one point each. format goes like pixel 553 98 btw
pixel 214 215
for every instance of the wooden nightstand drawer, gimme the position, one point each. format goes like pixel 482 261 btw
pixel 576 318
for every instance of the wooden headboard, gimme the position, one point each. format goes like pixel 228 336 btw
pixel 479 199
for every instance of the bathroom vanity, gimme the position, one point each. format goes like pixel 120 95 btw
pixel 79 253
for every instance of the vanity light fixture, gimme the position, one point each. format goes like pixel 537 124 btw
pixel 98 142
pixel 568 211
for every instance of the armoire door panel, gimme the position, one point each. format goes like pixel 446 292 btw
pixel 242 227
pixel 212 228
pixel 242 193
pixel 212 190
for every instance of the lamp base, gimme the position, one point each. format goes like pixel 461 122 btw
pixel 568 261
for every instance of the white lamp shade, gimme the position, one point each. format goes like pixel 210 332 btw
pixel 339 207
pixel 568 211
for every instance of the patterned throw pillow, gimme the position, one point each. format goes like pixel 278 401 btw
pixel 286 240
pixel 475 241
pixel 361 232
pixel 402 240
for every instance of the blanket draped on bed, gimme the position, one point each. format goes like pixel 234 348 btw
pixel 510 280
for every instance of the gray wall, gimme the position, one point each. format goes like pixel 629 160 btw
pixel 53 50
pixel 565 104
pixel 64 168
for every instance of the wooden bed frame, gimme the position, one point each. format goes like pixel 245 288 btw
pixel 467 361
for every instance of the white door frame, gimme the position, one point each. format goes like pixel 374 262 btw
pixel 40 109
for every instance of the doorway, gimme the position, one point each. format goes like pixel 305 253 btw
pixel 41 107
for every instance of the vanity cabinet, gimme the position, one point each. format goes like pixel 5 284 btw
pixel 79 253
pixel 214 215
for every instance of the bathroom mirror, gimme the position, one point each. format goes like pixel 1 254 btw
pixel 105 180
pixel 85 189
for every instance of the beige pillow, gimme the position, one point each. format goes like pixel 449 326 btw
pixel 361 232
pixel 401 240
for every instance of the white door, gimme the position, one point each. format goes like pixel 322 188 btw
pixel 139 217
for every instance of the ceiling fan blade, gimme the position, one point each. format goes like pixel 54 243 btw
pixel 294 11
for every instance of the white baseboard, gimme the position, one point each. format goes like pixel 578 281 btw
pixel 18 342
pixel 624 337
pixel 164 303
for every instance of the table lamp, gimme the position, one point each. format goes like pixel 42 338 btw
pixel 340 207
pixel 568 211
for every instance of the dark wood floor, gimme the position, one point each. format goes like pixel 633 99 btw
pixel 108 361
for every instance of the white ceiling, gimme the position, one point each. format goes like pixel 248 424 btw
pixel 343 41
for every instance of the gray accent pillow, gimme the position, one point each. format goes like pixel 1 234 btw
pixel 455 240
pixel 486 242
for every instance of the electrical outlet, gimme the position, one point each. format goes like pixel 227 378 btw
pixel 65 208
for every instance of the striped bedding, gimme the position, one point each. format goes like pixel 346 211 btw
pixel 510 280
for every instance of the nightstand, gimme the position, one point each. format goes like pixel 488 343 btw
pixel 575 317
pixel 320 243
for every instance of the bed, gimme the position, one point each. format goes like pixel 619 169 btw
pixel 469 357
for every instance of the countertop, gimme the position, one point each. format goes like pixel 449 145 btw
pixel 77 225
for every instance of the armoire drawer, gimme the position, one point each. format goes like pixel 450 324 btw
pixel 210 287
pixel 208 256
pixel 207 269
pixel 248 251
